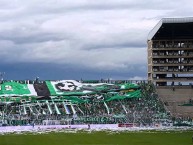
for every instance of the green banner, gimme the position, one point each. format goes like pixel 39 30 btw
pixel 17 89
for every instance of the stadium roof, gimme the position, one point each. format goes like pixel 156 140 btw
pixel 172 28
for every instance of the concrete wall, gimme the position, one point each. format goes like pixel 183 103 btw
pixel 175 96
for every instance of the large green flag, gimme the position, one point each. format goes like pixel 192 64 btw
pixel 17 89
pixel 72 87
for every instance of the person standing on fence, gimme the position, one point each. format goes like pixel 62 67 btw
pixel 33 124
pixel 88 126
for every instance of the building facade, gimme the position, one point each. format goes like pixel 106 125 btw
pixel 170 62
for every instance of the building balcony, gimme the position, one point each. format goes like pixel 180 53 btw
pixel 172 64
pixel 172 56
pixel 172 72
pixel 171 48
pixel 172 79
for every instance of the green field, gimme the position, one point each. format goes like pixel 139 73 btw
pixel 101 138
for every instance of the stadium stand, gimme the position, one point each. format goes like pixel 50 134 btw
pixel 80 102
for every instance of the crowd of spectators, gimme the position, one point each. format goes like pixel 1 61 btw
pixel 145 109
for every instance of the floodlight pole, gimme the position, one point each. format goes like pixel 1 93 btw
pixel 134 118
pixel 1 75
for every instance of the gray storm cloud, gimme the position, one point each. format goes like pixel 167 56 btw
pixel 99 35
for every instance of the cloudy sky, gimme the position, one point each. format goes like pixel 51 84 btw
pixel 74 39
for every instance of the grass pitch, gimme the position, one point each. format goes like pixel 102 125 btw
pixel 101 138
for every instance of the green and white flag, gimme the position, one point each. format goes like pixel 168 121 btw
pixel 17 89
pixel 72 87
